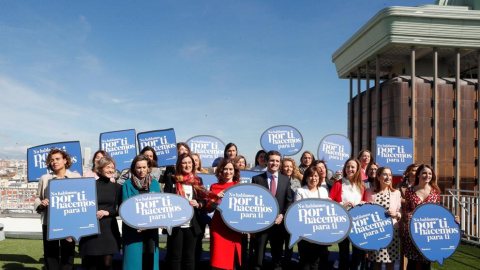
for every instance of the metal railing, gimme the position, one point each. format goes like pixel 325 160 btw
pixel 466 206
pixel 17 200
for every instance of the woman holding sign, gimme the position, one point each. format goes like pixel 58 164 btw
pixel 349 192
pixel 58 254
pixel 182 242
pixel 225 243
pixel 140 247
pixel 425 190
pixel 313 256
pixel 97 250
pixel 386 196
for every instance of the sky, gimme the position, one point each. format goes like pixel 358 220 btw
pixel 70 70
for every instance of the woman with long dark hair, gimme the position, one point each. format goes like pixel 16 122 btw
pixel 140 247
pixel 424 190
pixel 260 161
pixel 225 243
pixel 181 243
pixel 230 151
pixel 154 171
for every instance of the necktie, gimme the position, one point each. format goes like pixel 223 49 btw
pixel 273 185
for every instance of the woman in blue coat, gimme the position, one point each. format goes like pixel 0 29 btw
pixel 140 247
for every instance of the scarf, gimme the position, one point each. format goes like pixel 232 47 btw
pixel 142 184
pixel 189 179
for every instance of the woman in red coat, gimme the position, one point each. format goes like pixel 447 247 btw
pixel 225 243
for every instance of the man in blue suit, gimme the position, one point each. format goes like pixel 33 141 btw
pixel 279 185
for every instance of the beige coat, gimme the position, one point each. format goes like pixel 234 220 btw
pixel 42 187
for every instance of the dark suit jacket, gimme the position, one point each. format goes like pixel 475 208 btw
pixel 284 193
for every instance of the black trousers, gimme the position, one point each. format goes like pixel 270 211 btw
pixel 181 249
pixel 345 262
pixel 412 265
pixel 58 254
pixel 314 256
pixel 275 235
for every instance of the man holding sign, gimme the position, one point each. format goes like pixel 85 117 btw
pixel 279 185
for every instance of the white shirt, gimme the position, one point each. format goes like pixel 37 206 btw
pixel 305 193
pixel 350 193
pixel 188 189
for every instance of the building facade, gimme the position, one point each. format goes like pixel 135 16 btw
pixel 416 70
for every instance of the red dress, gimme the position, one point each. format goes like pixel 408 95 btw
pixel 412 201
pixel 225 243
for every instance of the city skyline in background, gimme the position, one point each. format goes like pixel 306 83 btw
pixel 71 71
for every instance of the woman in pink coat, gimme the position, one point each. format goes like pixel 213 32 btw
pixel 386 196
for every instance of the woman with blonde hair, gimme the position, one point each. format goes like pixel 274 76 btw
pixel 349 192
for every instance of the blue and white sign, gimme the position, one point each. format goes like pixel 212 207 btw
pixel 434 232
pixel 155 210
pixel 72 208
pixel 246 176
pixel 396 153
pixel 207 147
pixel 248 208
pixel 121 146
pixel 208 179
pixel 320 221
pixel 335 150
pixel 372 229
pixel 163 141
pixel 285 139
pixel 36 157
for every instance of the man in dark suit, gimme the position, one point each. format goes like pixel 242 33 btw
pixel 279 185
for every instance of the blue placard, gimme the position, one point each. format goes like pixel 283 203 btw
pixel 334 149
pixel 248 208
pixel 396 153
pixel 207 147
pixel 121 146
pixel 372 229
pixel 72 208
pixel 246 176
pixel 285 139
pixel 163 141
pixel 37 155
pixel 434 232
pixel 155 210
pixel 320 221
pixel 208 179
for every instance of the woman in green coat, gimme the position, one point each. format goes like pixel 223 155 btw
pixel 140 247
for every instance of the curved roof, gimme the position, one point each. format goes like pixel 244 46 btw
pixel 393 31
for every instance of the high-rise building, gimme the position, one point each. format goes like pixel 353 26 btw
pixel 419 67
pixel 87 156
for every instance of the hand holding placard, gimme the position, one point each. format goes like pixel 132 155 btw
pixel 156 210
pixel 320 221
pixel 434 232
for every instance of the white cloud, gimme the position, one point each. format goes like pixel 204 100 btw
pixel 195 50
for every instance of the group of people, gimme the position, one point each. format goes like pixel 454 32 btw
pixel 361 181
